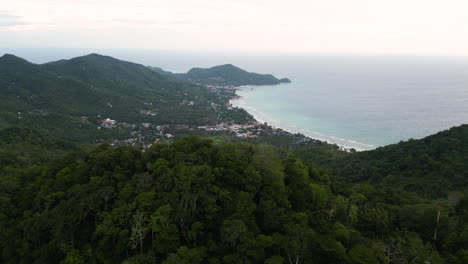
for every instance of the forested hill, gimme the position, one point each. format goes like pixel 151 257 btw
pixel 69 98
pixel 224 75
pixel 193 202
pixel 432 166
pixel 98 85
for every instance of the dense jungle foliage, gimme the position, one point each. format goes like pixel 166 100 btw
pixel 432 166
pixel 192 201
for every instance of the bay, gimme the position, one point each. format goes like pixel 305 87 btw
pixel 364 102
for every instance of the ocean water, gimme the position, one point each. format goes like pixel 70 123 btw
pixel 365 102
pixel 360 102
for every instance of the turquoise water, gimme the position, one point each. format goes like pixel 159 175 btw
pixel 355 101
pixel 366 102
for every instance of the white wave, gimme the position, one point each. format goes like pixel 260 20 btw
pixel 292 128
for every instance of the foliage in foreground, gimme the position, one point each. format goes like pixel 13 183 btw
pixel 195 202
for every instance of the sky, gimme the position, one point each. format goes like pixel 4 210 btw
pixel 435 27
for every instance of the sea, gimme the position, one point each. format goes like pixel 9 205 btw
pixel 354 101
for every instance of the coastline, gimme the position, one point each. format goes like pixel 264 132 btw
pixel 344 144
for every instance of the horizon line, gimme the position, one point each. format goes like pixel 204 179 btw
pixel 99 50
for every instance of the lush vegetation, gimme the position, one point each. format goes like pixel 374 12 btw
pixel 432 166
pixel 275 198
pixel 195 202
pixel 224 75
pixel 68 98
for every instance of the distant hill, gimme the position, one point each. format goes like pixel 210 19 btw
pixel 161 71
pixel 224 75
pixel 67 98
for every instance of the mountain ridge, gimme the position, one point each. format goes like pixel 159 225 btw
pixel 94 87
pixel 432 166
pixel 224 75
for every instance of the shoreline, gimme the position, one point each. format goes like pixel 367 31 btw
pixel 344 144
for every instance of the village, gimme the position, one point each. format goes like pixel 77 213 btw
pixel 140 133
pixel 145 134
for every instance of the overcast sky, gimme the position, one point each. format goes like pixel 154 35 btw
pixel 436 27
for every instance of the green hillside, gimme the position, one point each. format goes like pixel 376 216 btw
pixel 68 98
pixel 195 202
pixel 22 147
pixel 95 84
pixel 224 75
pixel 432 166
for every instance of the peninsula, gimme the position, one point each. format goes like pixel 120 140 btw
pixel 224 75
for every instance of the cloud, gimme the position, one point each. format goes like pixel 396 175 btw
pixel 359 26
pixel 133 21
pixel 8 20
pixel 5 15
pixel 12 23
pixel 182 22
